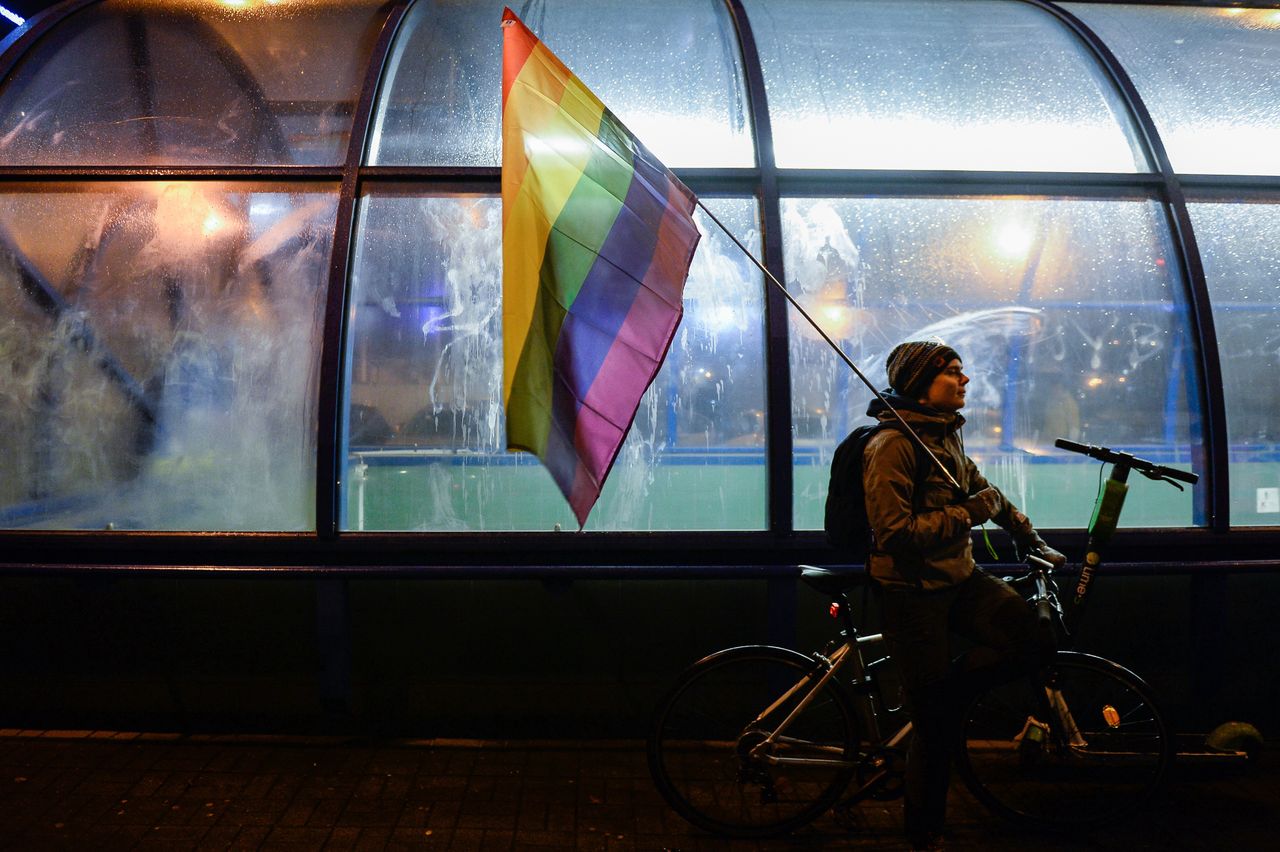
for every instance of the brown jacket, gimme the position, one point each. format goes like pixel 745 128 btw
pixel 922 540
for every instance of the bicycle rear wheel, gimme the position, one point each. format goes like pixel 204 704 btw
pixel 1079 743
pixel 707 750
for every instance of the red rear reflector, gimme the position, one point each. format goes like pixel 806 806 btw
pixel 834 610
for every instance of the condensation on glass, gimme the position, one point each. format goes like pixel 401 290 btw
pixel 935 84
pixel 1209 77
pixel 145 82
pixel 1240 248
pixel 669 69
pixel 1068 315
pixel 424 431
pixel 161 346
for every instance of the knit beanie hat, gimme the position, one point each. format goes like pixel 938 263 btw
pixel 913 365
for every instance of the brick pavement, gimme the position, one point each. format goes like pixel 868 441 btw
pixel 78 790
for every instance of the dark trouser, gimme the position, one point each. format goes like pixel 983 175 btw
pixel 917 628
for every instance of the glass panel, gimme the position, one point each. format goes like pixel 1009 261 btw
pixel 670 69
pixel 1209 77
pixel 425 431
pixel 161 347
pixel 1240 248
pixel 1068 314
pixel 915 84
pixel 141 82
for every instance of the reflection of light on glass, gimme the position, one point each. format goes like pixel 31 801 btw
pixel 1095 382
pixel 831 311
pixel 1236 149
pixel 1254 18
pixel 835 318
pixel 182 212
pixel 1012 240
pixel 432 319
pixel 689 141
pixel 267 211
pixel 720 318
pixel 911 142
pixel 213 223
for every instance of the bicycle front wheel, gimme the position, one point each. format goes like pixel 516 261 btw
pixel 1078 743
pixel 710 752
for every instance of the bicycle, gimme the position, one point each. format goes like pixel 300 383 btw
pixel 757 741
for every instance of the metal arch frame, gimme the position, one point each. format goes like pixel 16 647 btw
pixel 780 476
pixel 17 43
pixel 331 392
pixel 1209 377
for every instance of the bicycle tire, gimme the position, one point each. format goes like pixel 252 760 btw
pixel 704 726
pixel 1054 779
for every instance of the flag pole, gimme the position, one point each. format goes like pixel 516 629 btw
pixel 835 347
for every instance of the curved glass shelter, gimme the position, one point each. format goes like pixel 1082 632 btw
pixel 250 269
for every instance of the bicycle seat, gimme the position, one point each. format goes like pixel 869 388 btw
pixel 832 583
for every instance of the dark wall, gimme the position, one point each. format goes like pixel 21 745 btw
pixel 518 657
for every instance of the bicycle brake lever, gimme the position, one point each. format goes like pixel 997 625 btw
pixel 1160 477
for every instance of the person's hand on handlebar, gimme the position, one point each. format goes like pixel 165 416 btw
pixel 1035 544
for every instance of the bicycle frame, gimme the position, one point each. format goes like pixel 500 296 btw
pixel 849 651
pixel 826 726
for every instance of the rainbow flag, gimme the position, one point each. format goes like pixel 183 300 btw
pixel 597 237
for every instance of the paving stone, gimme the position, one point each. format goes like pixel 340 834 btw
pixel 105 793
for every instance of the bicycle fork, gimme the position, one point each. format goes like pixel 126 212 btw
pixel 1034 732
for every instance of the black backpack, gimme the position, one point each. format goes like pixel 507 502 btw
pixel 846 520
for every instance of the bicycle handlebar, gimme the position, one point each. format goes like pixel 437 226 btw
pixel 1106 454
pixel 1044 605
pixel 1034 559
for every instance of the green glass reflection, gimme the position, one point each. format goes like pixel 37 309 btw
pixel 424 433
pixel 1240 248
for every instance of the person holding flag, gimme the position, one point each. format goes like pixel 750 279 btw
pixel 922 561
pixel 598 237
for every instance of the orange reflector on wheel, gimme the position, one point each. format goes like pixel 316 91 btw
pixel 1111 716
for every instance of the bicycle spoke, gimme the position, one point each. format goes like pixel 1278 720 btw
pixel 1086 754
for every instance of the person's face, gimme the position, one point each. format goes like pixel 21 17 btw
pixel 947 391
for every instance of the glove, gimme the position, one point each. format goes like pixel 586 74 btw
pixel 1035 544
pixel 982 506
